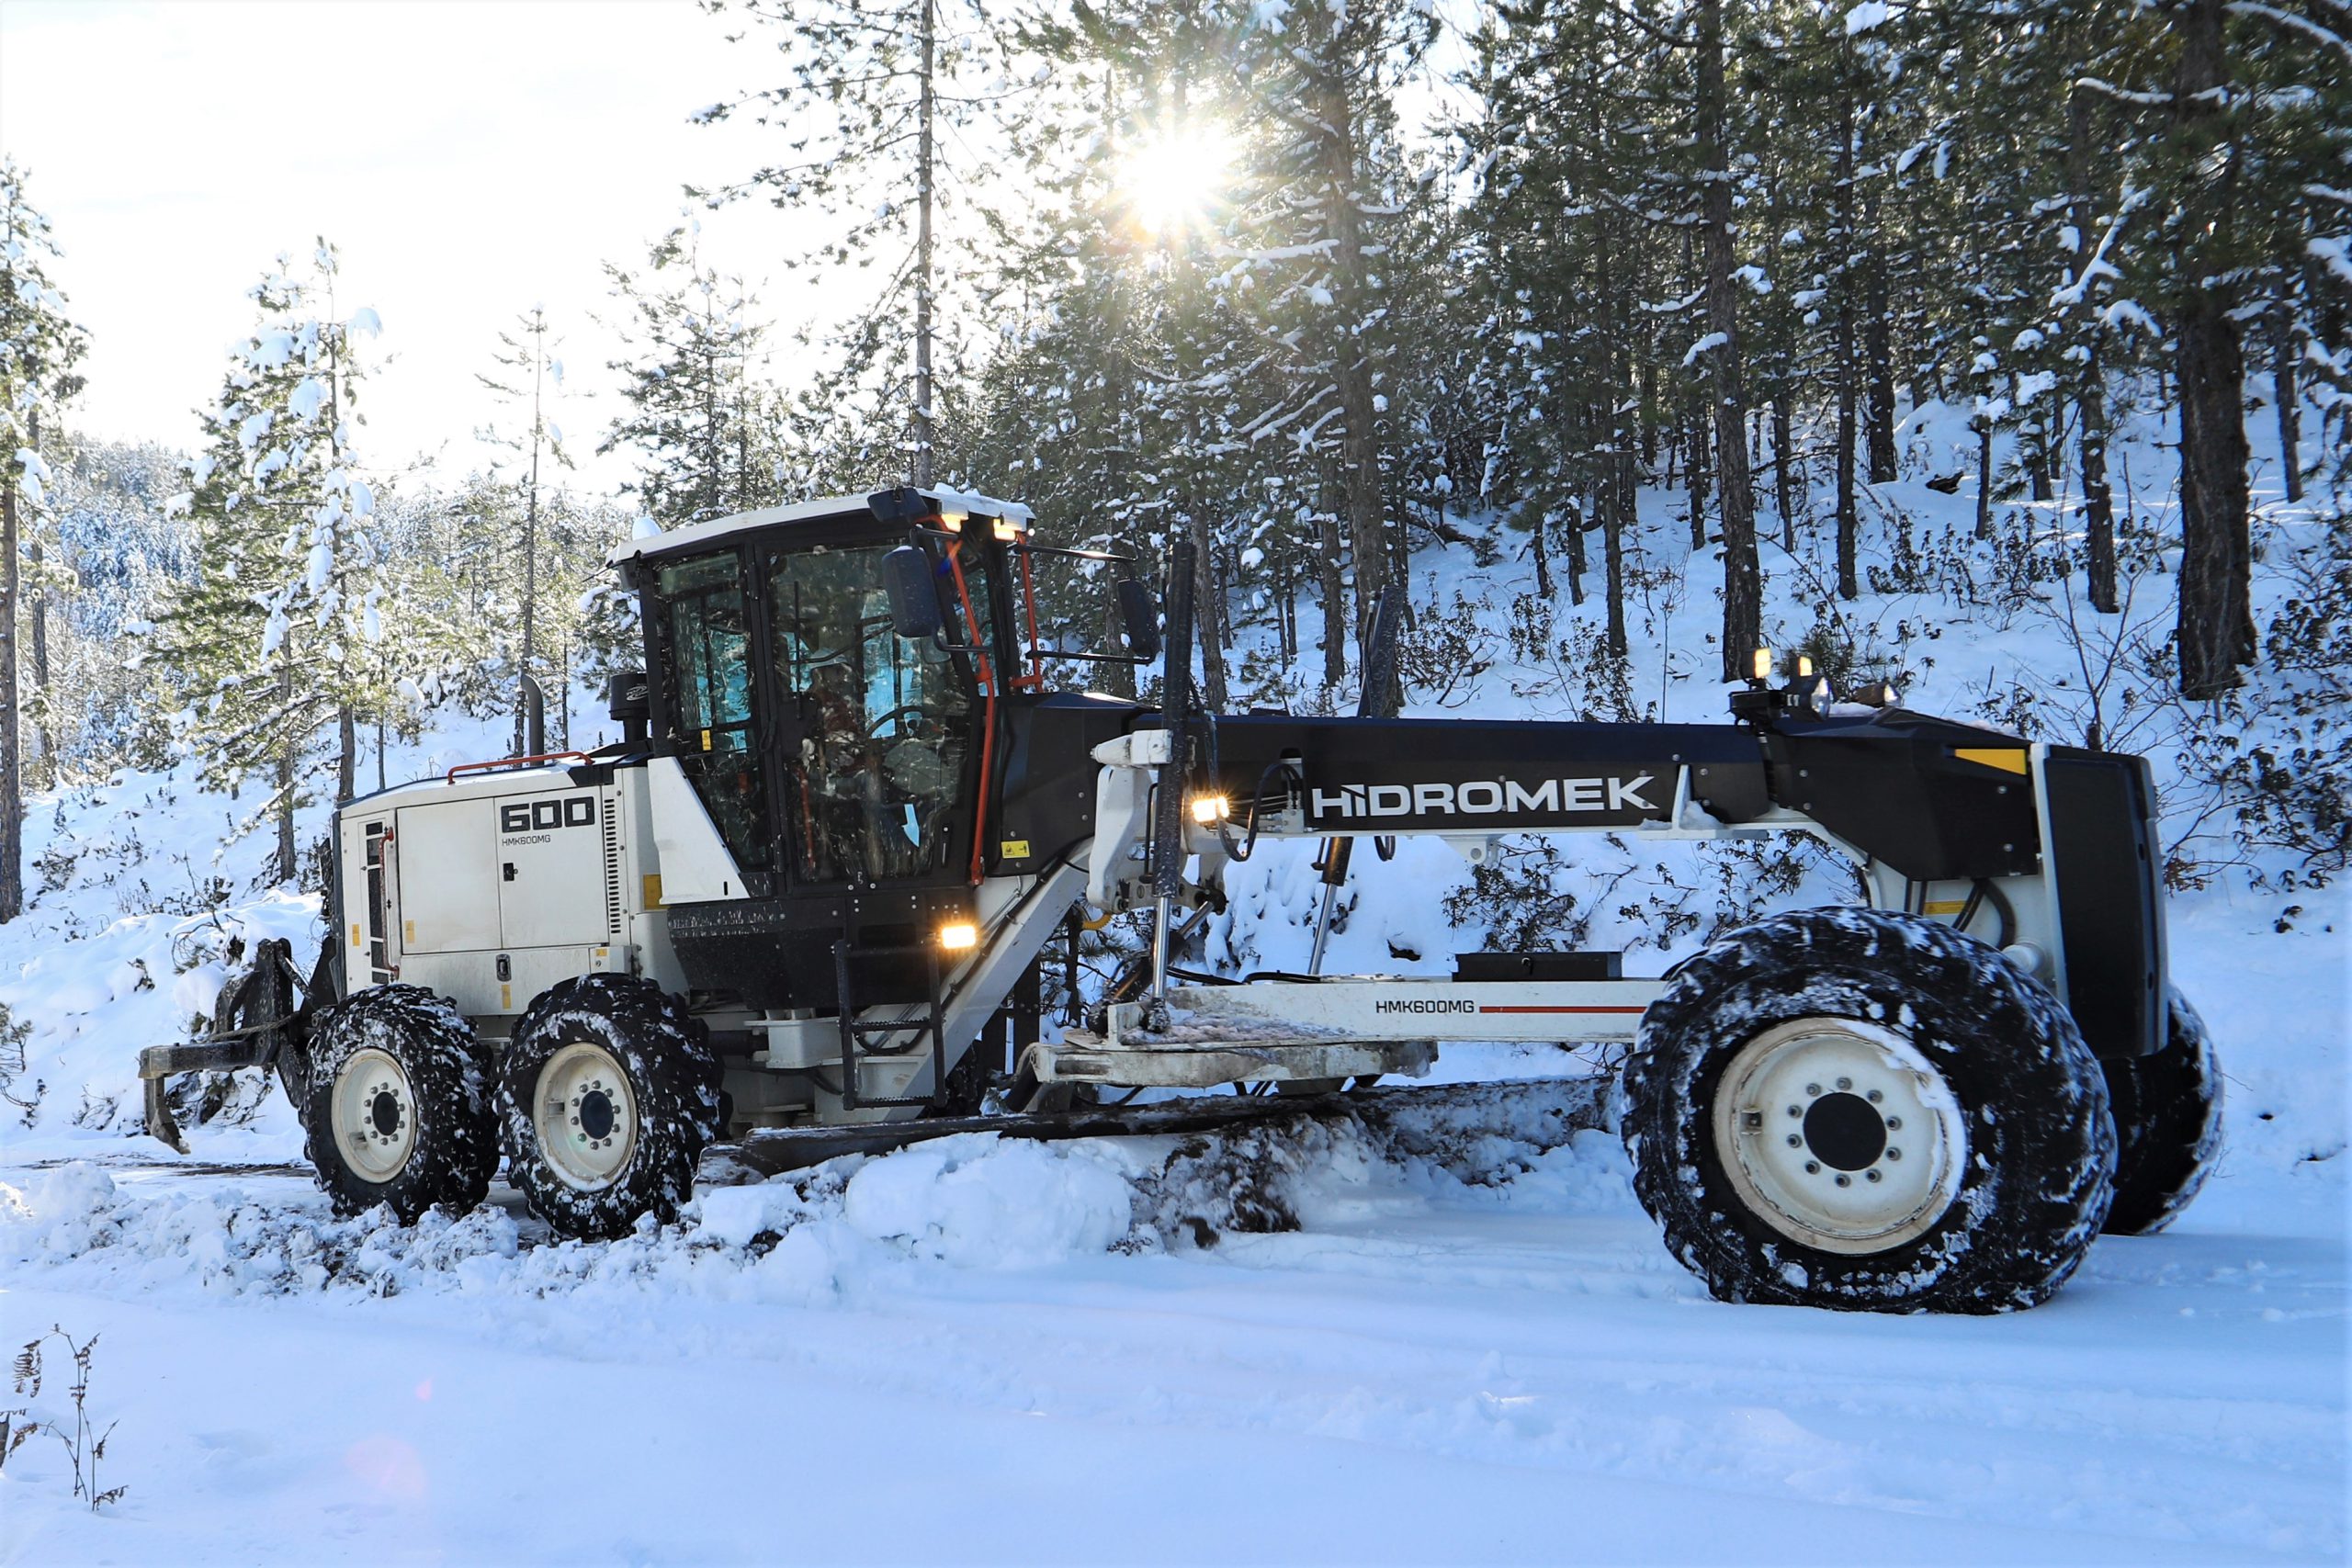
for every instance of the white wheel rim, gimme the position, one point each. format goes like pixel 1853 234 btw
pixel 1840 1134
pixel 586 1116
pixel 374 1114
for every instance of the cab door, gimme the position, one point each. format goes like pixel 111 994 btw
pixel 707 632
pixel 880 731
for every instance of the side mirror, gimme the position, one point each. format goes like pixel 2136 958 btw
pixel 1140 616
pixel 914 603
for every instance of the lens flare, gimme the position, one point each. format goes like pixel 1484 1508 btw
pixel 1177 181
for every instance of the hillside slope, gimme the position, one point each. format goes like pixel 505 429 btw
pixel 1466 1349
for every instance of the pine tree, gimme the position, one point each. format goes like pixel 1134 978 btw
pixel 702 419
pixel 271 644
pixel 38 346
pixel 875 95
pixel 529 375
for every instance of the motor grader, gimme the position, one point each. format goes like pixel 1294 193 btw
pixel 810 899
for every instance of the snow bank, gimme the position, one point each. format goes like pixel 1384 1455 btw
pixel 972 1202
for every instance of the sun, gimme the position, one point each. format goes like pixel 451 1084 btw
pixel 1178 180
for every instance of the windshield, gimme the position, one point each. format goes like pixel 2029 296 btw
pixel 885 724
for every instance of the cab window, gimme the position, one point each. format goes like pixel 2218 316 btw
pixel 709 643
pixel 885 724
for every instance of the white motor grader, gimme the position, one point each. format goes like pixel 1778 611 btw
pixel 807 903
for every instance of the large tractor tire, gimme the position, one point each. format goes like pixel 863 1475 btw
pixel 608 1096
pixel 397 1110
pixel 1869 1112
pixel 2167 1123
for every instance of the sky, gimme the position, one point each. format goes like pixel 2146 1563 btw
pixel 470 161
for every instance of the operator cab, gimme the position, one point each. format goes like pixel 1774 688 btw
pixel 851 759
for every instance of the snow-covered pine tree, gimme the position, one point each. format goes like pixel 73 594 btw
pixel 874 95
pixel 702 417
pixel 272 643
pixel 118 556
pixel 1320 82
pixel 38 346
pixel 529 377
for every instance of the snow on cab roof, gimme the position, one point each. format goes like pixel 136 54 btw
pixel 954 505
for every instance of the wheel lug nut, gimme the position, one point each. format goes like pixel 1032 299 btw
pixel 1895 1123
pixel 1873 1097
pixel 1813 1088
pixel 1872 1174
pixel 1894 1154
pixel 1794 1111
pixel 1843 1180
pixel 1813 1168
pixel 1845 1083
pixel 1795 1142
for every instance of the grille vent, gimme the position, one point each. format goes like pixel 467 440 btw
pixel 612 870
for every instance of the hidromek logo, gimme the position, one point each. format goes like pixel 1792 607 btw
pixel 1485 797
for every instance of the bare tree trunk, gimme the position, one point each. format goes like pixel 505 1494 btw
pixel 1576 555
pixel 2216 625
pixel 1784 472
pixel 1742 581
pixel 2090 395
pixel 1984 477
pixel 1700 472
pixel 922 425
pixel 1336 624
pixel 1206 595
pixel 2098 499
pixel 2283 391
pixel 1878 346
pixel 12 779
pixel 1360 439
pixel 287 757
pixel 1848 517
pixel 1614 488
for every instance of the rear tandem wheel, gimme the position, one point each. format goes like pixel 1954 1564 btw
pixel 608 1095
pixel 1867 1111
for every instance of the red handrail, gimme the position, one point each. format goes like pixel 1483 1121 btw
pixel 451 777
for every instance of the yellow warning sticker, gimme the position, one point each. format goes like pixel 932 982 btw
pixel 2001 757
pixel 650 889
pixel 1946 906
pixel 357 941
pixel 1013 849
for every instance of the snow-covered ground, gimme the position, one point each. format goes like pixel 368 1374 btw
pixel 1468 1349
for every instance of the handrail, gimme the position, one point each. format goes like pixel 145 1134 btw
pixel 535 758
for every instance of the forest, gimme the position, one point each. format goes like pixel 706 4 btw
pixel 1319 286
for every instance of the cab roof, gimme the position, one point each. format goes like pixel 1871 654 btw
pixel 901 505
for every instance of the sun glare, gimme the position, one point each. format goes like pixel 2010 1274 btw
pixel 1178 180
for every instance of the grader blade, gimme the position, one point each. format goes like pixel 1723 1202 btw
pixel 1543 1113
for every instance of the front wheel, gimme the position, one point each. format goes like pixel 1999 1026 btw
pixel 606 1098
pixel 1865 1111
pixel 395 1107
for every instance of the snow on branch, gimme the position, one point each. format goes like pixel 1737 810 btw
pixel 2309 28
pixel 2122 95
